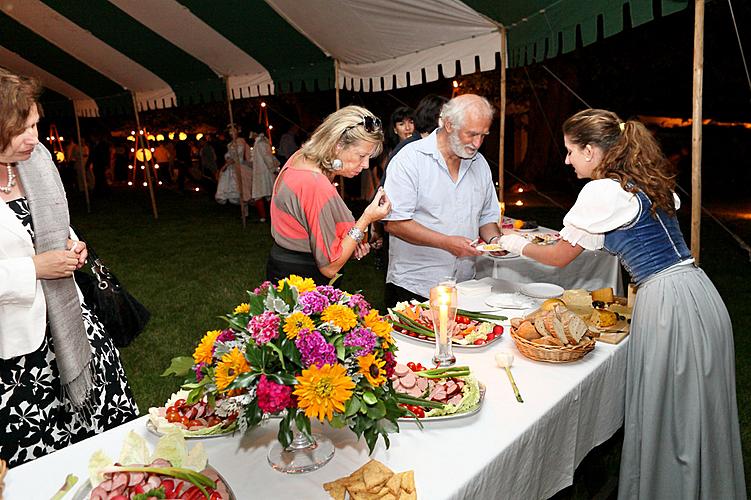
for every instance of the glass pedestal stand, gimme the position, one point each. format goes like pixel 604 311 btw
pixel 302 454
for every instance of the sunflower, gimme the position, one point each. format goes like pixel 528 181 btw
pixel 243 308
pixel 296 322
pixel 321 391
pixel 377 325
pixel 302 284
pixel 205 350
pixel 342 316
pixel 372 369
pixel 232 364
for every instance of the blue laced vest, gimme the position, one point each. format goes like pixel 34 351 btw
pixel 647 245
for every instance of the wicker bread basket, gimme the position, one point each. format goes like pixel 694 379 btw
pixel 551 354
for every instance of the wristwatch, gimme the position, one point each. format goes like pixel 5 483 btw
pixel 356 234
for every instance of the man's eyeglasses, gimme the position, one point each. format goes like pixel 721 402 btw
pixel 370 124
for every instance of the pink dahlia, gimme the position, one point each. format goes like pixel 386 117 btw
pixel 273 397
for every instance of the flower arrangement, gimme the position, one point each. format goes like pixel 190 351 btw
pixel 302 351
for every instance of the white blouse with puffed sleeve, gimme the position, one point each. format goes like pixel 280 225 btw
pixel 602 205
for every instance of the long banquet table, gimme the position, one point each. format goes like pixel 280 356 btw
pixel 507 450
pixel 590 270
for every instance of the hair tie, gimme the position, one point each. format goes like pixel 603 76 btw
pixel 622 126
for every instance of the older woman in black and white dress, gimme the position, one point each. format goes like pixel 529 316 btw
pixel 61 379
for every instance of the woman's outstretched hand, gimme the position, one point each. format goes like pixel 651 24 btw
pixel 379 208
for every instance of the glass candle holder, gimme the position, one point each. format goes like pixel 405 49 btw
pixel 443 302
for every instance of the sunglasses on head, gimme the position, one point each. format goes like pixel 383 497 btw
pixel 370 124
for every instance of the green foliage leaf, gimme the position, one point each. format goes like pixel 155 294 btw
pixel 369 398
pixel 352 406
pixel 282 378
pixel 256 304
pixel 195 395
pixel 377 411
pixel 179 366
pixel 279 354
pixel 244 380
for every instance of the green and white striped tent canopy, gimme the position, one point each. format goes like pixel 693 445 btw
pixel 168 52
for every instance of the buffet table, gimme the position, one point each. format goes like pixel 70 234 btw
pixel 590 270
pixel 507 450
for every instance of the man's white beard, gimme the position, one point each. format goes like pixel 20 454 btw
pixel 460 149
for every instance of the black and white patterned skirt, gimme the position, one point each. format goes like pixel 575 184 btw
pixel 34 418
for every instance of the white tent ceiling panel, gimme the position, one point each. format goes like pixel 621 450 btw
pixel 81 44
pixel 84 105
pixel 464 51
pixel 387 38
pixel 180 26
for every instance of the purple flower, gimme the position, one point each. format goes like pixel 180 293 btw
pixel 388 356
pixel 314 350
pixel 197 368
pixel 262 288
pixel 362 338
pixel 331 293
pixel 313 302
pixel 359 302
pixel 226 335
pixel 264 327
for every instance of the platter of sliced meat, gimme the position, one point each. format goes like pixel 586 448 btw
pixel 194 420
pixel 124 485
pixel 459 392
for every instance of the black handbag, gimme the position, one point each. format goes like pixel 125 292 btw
pixel 123 317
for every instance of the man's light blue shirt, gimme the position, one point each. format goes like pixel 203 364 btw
pixel 421 189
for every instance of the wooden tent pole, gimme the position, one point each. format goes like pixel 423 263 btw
pixel 696 130
pixel 502 116
pixel 80 159
pixel 140 141
pixel 336 83
pixel 238 167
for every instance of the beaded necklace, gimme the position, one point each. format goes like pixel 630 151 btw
pixel 11 180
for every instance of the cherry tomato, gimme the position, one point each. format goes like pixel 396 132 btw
pixel 463 320
pixel 478 342
pixel 411 366
pixel 215 496
pixel 179 403
pixel 498 329
pixel 419 412
pixel 490 336
pixel 169 487
pixel 185 421
pixel 173 415
pixel 213 420
pixel 419 367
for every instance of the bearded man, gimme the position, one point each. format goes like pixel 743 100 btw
pixel 443 199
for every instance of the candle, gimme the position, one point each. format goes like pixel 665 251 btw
pixel 443 313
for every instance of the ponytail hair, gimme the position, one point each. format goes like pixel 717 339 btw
pixel 631 154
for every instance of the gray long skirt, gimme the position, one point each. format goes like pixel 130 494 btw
pixel 681 437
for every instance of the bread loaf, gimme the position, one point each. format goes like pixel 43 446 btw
pixel 527 330
pixel 573 326
pixel 554 327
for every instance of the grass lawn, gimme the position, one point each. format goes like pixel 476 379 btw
pixel 195 262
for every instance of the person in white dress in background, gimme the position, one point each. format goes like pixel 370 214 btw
pixel 265 167
pixel 238 153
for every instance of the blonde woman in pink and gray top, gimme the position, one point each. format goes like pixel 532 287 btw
pixel 314 232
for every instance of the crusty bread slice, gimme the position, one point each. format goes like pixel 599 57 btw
pixel 573 326
pixel 540 326
pixel 554 326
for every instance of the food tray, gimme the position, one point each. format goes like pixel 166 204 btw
pixel 469 413
pixel 84 491
pixel 152 429
pixel 551 354
pixel 431 341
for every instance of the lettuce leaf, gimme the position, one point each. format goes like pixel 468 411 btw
pixel 471 399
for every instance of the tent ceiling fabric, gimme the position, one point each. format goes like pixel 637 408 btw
pixel 169 52
pixel 377 39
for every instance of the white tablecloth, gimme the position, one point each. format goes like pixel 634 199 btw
pixel 508 450
pixel 590 270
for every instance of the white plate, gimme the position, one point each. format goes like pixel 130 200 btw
pixel 529 229
pixel 453 415
pixel 541 290
pixel 509 301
